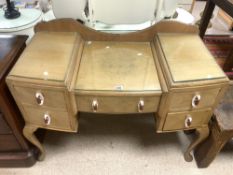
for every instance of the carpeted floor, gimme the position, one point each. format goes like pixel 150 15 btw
pixel 120 145
pixel 219 46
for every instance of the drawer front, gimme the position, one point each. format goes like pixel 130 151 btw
pixel 41 97
pixel 187 120
pixel 184 101
pixel 47 118
pixel 117 104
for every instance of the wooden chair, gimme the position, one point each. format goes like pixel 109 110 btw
pixel 221 131
pixel 225 5
pixel 192 6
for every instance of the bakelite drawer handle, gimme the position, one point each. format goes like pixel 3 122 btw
pixel 188 121
pixel 47 119
pixel 141 105
pixel 39 98
pixel 196 100
pixel 95 105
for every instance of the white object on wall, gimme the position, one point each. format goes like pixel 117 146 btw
pixel 114 11
pixel 69 8
pixel 169 7
pixel 123 11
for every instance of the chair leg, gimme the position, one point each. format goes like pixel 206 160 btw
pixel 28 132
pixel 228 65
pixel 206 152
pixel 208 11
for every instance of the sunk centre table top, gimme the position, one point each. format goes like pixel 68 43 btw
pixel 117 66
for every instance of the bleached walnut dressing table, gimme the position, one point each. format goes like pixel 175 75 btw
pixel 68 68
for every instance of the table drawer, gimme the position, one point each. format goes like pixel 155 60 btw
pixel 117 104
pixel 41 97
pixel 47 118
pixel 184 101
pixel 187 120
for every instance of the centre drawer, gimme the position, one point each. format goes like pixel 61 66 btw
pixel 47 118
pixel 197 99
pixel 38 96
pixel 187 120
pixel 117 104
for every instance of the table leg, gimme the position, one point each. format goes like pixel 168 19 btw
pixel 28 132
pixel 202 134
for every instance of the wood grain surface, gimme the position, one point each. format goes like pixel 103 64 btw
pixel 117 66
pixel 47 57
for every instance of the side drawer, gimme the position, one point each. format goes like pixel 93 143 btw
pixel 47 118
pixel 184 101
pixel 117 104
pixel 41 97
pixel 187 120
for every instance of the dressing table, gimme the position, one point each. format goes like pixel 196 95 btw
pixel 69 68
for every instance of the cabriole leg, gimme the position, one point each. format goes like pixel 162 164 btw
pixel 28 132
pixel 202 134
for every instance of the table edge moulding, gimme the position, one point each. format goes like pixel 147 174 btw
pixel 48 103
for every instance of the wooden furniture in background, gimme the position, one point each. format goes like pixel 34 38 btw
pixel 141 72
pixel 226 18
pixel 228 65
pixel 221 131
pixel 15 151
pixel 225 5
pixel 192 6
pixel 222 125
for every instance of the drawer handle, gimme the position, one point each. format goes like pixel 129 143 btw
pixel 95 105
pixel 47 119
pixel 196 100
pixel 39 98
pixel 188 121
pixel 141 105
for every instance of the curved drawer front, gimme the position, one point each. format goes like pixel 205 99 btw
pixel 184 101
pixel 187 120
pixel 117 104
pixel 41 97
pixel 47 118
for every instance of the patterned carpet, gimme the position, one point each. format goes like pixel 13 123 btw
pixel 220 46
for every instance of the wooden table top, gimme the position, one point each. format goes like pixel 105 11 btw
pixel 184 51
pixel 117 66
pixel 47 57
